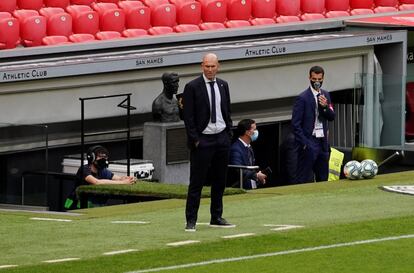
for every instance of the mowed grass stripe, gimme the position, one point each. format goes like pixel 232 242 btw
pixel 265 255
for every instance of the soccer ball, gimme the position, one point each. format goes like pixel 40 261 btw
pixel 352 170
pixel 369 168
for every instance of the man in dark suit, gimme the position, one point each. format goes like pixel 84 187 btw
pixel 241 153
pixel 310 115
pixel 208 124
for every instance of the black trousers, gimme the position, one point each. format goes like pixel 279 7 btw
pixel 208 160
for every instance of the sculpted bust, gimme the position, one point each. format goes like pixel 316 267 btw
pixel 165 106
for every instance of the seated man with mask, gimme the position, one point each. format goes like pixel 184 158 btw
pixel 96 173
pixel 241 153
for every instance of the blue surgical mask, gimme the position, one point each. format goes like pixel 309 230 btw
pixel 255 135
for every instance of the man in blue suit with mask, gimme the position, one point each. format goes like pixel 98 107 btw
pixel 310 116
pixel 241 153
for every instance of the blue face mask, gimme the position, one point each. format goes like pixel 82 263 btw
pixel 255 135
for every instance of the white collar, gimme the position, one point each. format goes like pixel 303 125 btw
pixel 244 143
pixel 207 80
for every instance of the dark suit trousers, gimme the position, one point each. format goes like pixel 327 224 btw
pixel 212 153
pixel 313 162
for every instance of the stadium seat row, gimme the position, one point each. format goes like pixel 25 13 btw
pixel 51 22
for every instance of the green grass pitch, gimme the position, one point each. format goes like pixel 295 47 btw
pixel 336 219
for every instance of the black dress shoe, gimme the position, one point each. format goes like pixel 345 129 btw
pixel 221 222
pixel 190 227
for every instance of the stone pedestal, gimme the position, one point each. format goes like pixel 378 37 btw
pixel 165 145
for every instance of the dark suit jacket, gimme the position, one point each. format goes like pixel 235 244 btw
pixel 303 117
pixel 239 155
pixel 197 107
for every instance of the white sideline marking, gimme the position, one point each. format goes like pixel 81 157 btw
pixel 50 219
pixel 238 235
pixel 61 260
pixel 285 227
pixel 183 243
pixel 202 224
pixel 271 254
pixel 119 252
pixel 129 222
pixel 8 266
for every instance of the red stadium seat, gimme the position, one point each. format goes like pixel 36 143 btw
pixel 212 26
pixel 32 27
pixel 111 18
pixel 58 21
pixel 406 2
pixel 9 31
pixel 362 11
pixel 406 7
pixel 84 19
pixel 288 8
pixel 55 40
pixel 312 6
pixel 30 4
pixel 237 23
pixel 108 1
pixel 108 35
pixel 82 2
pixel 263 8
pixel 186 28
pixel 81 38
pixel 239 9
pixel 385 9
pixel 57 3
pixel 337 5
pixel 137 15
pixel 386 3
pixel 262 21
pixel 8 5
pixel 134 32
pixel 160 30
pixel 188 11
pixel 311 16
pixel 287 19
pixel 163 13
pixel 361 4
pixel 213 11
pixel 336 13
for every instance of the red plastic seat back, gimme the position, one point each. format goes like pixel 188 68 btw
pixel 137 15
pixel 188 12
pixel 30 4
pixel 82 2
pixel 8 5
pixel 213 11
pixel 386 3
pixel 263 8
pixel 84 19
pixel 57 3
pixel 337 5
pixel 361 4
pixel 406 1
pixel 312 6
pixel 288 7
pixel 111 18
pixel 10 31
pixel 163 13
pixel 32 27
pixel 58 21
pixel 239 9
